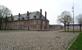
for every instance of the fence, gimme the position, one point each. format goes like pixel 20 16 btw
pixel 77 27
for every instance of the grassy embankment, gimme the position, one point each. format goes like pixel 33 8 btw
pixel 77 45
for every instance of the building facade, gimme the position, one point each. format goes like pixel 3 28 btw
pixel 28 21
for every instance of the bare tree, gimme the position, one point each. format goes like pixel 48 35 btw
pixel 65 18
pixel 4 12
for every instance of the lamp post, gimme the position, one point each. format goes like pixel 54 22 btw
pixel 73 15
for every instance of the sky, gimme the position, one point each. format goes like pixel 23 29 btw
pixel 53 7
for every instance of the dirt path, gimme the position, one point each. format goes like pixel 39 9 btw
pixel 35 40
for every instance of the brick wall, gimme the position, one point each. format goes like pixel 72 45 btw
pixel 28 24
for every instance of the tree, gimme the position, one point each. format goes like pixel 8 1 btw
pixel 4 12
pixel 80 20
pixel 65 18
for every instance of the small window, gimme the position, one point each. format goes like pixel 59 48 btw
pixel 34 17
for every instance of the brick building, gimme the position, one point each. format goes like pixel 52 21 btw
pixel 28 21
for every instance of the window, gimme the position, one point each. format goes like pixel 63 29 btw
pixel 34 17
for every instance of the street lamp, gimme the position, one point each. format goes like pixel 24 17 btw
pixel 73 15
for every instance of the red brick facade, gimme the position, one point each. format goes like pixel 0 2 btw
pixel 29 24
pixel 33 23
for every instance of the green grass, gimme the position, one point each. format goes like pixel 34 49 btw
pixel 77 45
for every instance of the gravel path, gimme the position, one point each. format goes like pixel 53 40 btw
pixel 35 40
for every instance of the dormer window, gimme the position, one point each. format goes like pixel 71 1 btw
pixel 22 18
pixel 34 17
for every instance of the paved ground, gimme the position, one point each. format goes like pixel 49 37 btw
pixel 35 40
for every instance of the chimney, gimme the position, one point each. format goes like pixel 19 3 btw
pixel 40 13
pixel 45 15
pixel 28 15
pixel 19 16
pixel 12 17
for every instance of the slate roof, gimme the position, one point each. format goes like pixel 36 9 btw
pixel 31 16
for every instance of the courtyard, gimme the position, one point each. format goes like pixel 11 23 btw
pixel 35 40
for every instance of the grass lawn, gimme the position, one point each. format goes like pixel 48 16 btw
pixel 77 45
